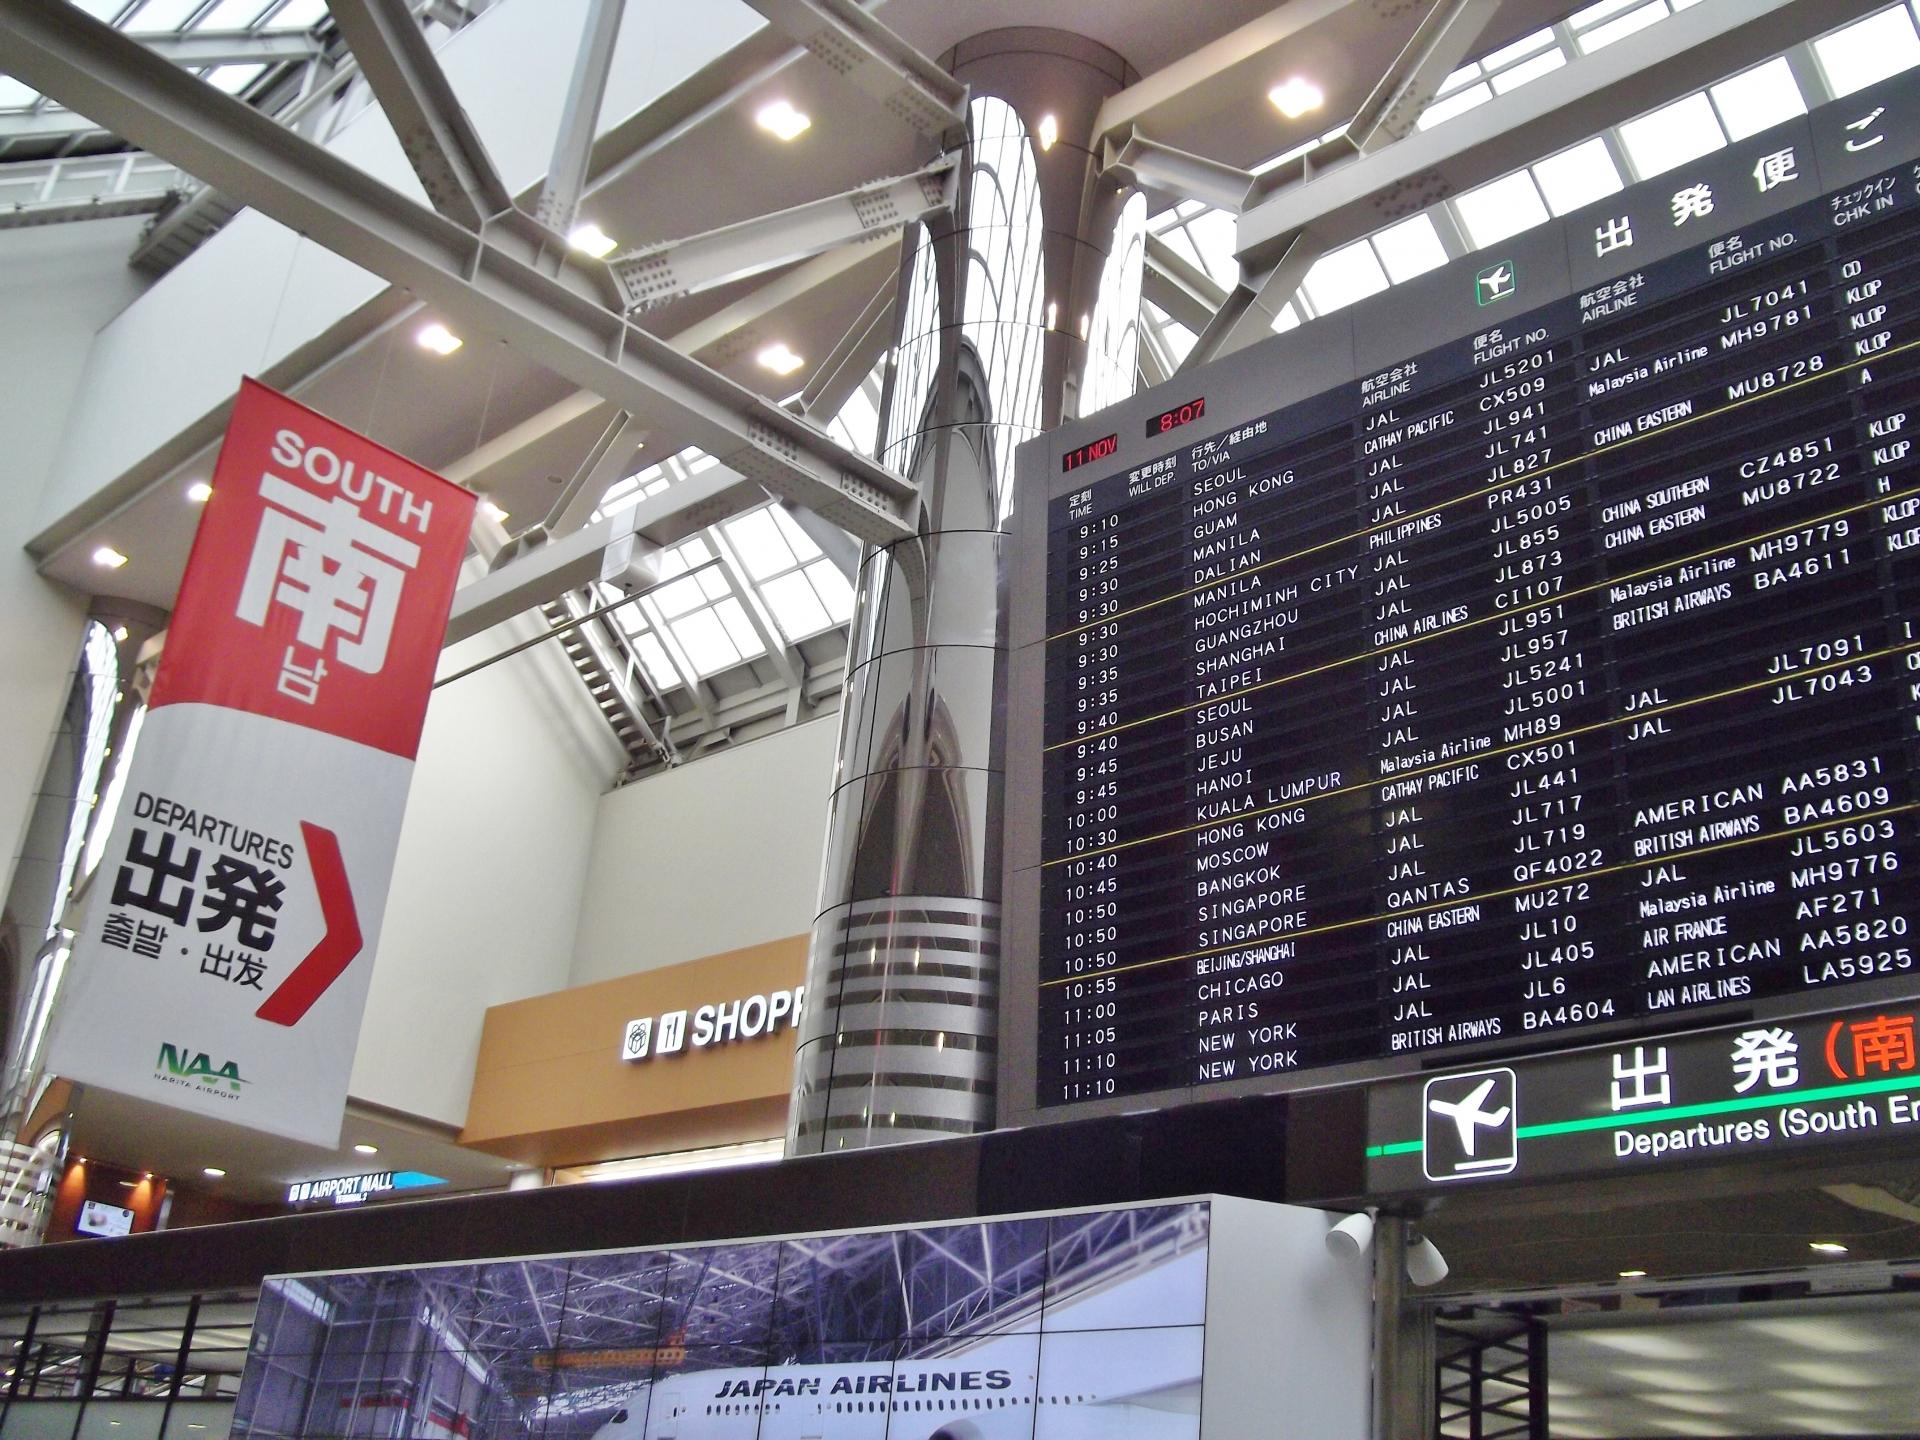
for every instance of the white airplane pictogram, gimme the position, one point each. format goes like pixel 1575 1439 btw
pixel 1468 1116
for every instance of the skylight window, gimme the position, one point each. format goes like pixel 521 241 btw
pixel 1578 176
pixel 1868 50
pixel 298 15
pixel 1452 105
pixel 1343 276
pixel 14 95
pixel 1601 36
pixel 1761 97
pixel 1519 50
pixel 158 16
pixel 1505 207
pixel 700 613
pixel 1672 135
pixel 1518 75
pixel 233 78
pixel 233 15
pixel 1408 249
pixel 804 591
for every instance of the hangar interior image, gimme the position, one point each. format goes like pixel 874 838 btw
pixel 886 718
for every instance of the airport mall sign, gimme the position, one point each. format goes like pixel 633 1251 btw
pixel 679 1030
pixel 355 1189
pixel 1695 1099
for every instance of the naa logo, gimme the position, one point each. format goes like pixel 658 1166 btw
pixel 195 1068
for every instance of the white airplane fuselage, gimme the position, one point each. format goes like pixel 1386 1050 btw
pixel 967 1397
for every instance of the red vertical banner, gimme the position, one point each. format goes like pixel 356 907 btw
pixel 223 963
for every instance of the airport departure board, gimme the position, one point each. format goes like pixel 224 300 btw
pixel 1527 655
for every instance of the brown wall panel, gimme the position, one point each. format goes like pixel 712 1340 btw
pixel 550 1086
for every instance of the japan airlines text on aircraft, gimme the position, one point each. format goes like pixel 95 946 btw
pixel 958 1398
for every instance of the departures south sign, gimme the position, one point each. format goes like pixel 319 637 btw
pixel 717 1024
pixel 1705 1098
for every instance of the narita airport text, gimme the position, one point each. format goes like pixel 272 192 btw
pixel 1789 1122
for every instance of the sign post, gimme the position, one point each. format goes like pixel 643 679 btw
pixel 223 963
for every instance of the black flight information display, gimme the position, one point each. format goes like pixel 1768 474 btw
pixel 1558 681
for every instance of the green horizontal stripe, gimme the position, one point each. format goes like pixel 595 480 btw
pixel 1683 1112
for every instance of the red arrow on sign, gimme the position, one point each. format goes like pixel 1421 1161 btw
pixel 328 960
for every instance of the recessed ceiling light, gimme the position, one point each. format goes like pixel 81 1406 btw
pixel 1294 97
pixel 1631 1274
pixel 439 339
pixel 213 1172
pixel 199 492
pixel 1049 131
pixel 782 119
pixel 111 558
pixel 590 239
pixel 365 1149
pixel 1827 1247
pixel 780 359
pixel 119 634
pixel 493 512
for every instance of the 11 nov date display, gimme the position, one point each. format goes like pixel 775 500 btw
pixel 1558 681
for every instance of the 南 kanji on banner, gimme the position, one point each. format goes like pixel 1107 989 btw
pixel 223 963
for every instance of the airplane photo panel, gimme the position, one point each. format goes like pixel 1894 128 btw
pixel 1135 1384
pixel 621 1299
pixel 985 1277
pixel 1111 1269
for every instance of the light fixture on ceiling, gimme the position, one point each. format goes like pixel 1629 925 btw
pixel 1294 97
pixel 365 1149
pixel 780 118
pixel 779 358
pixel 1827 1247
pixel 199 492
pixel 1048 131
pixel 1351 1237
pixel 590 239
pixel 438 338
pixel 213 1172
pixel 1425 1264
pixel 119 634
pixel 109 557
pixel 493 512
pixel 1632 1274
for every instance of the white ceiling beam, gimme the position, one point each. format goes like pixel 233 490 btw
pixel 580 117
pixel 1192 86
pixel 434 131
pixel 1134 159
pixel 870 56
pixel 1179 287
pixel 654 275
pixel 488 285
pixel 197 48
